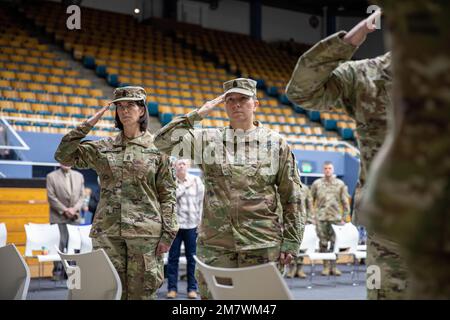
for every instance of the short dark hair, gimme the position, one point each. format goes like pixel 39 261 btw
pixel 327 163
pixel 143 120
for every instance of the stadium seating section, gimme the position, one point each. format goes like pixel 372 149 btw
pixel 181 66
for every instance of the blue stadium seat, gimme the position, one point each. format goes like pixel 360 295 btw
pixel 89 62
pixel 329 124
pixel 314 115
pixel 272 91
pixel 165 118
pixel 101 71
pixel 152 108
pixel 298 108
pixel 284 99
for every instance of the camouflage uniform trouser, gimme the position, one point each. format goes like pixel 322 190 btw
pixel 385 254
pixel 216 257
pixel 326 234
pixel 140 270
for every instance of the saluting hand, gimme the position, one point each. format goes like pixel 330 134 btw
pixel 96 117
pixel 210 105
pixel 358 34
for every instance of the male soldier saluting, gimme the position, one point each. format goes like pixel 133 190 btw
pixel 323 79
pixel 249 169
pixel 329 194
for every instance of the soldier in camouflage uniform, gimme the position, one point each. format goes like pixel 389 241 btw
pixel 135 221
pixel 247 168
pixel 408 192
pixel 324 79
pixel 296 267
pixel 330 198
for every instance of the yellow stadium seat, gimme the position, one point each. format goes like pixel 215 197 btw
pixel 23 76
pixel 35 86
pixel 10 94
pixel 32 60
pixel 26 95
pixel 39 78
pixel 59 99
pixel 57 72
pixel 103 102
pixel 56 108
pixel 27 68
pixel 75 100
pixel 59 63
pixel 317 130
pixel 73 110
pixel 43 70
pixel 81 91
pixel 8 74
pixel 66 90
pixel 39 107
pixel 96 92
pixel 54 79
pixel 46 62
pixel 71 73
pixel 6 104
pixel 5 83
pixel 22 106
pixel 69 81
pixel 51 88
pixel 84 82
pixel 307 130
pixel 44 97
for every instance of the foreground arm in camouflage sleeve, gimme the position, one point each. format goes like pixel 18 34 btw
pixel 179 133
pixel 166 188
pixel 289 188
pixel 345 203
pixel 321 80
pixel 72 152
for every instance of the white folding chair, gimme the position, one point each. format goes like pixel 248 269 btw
pixel 309 245
pixel 39 236
pixel 92 276
pixel 86 241
pixel 347 237
pixel 261 282
pixel 3 235
pixel 14 274
pixel 74 242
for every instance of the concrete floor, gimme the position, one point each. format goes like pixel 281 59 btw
pixel 323 288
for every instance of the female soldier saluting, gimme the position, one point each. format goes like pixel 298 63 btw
pixel 135 221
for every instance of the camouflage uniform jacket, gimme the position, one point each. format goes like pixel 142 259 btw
pixel 240 206
pixel 309 208
pixel 329 197
pixel 137 196
pixel 323 79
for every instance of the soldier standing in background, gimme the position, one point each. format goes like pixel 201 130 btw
pixel 329 195
pixel 408 192
pixel 324 79
pixel 246 168
pixel 135 222
pixel 296 267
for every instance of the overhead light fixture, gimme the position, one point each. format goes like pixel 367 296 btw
pixel 137 10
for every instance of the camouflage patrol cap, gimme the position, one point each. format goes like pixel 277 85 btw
pixel 129 93
pixel 240 85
